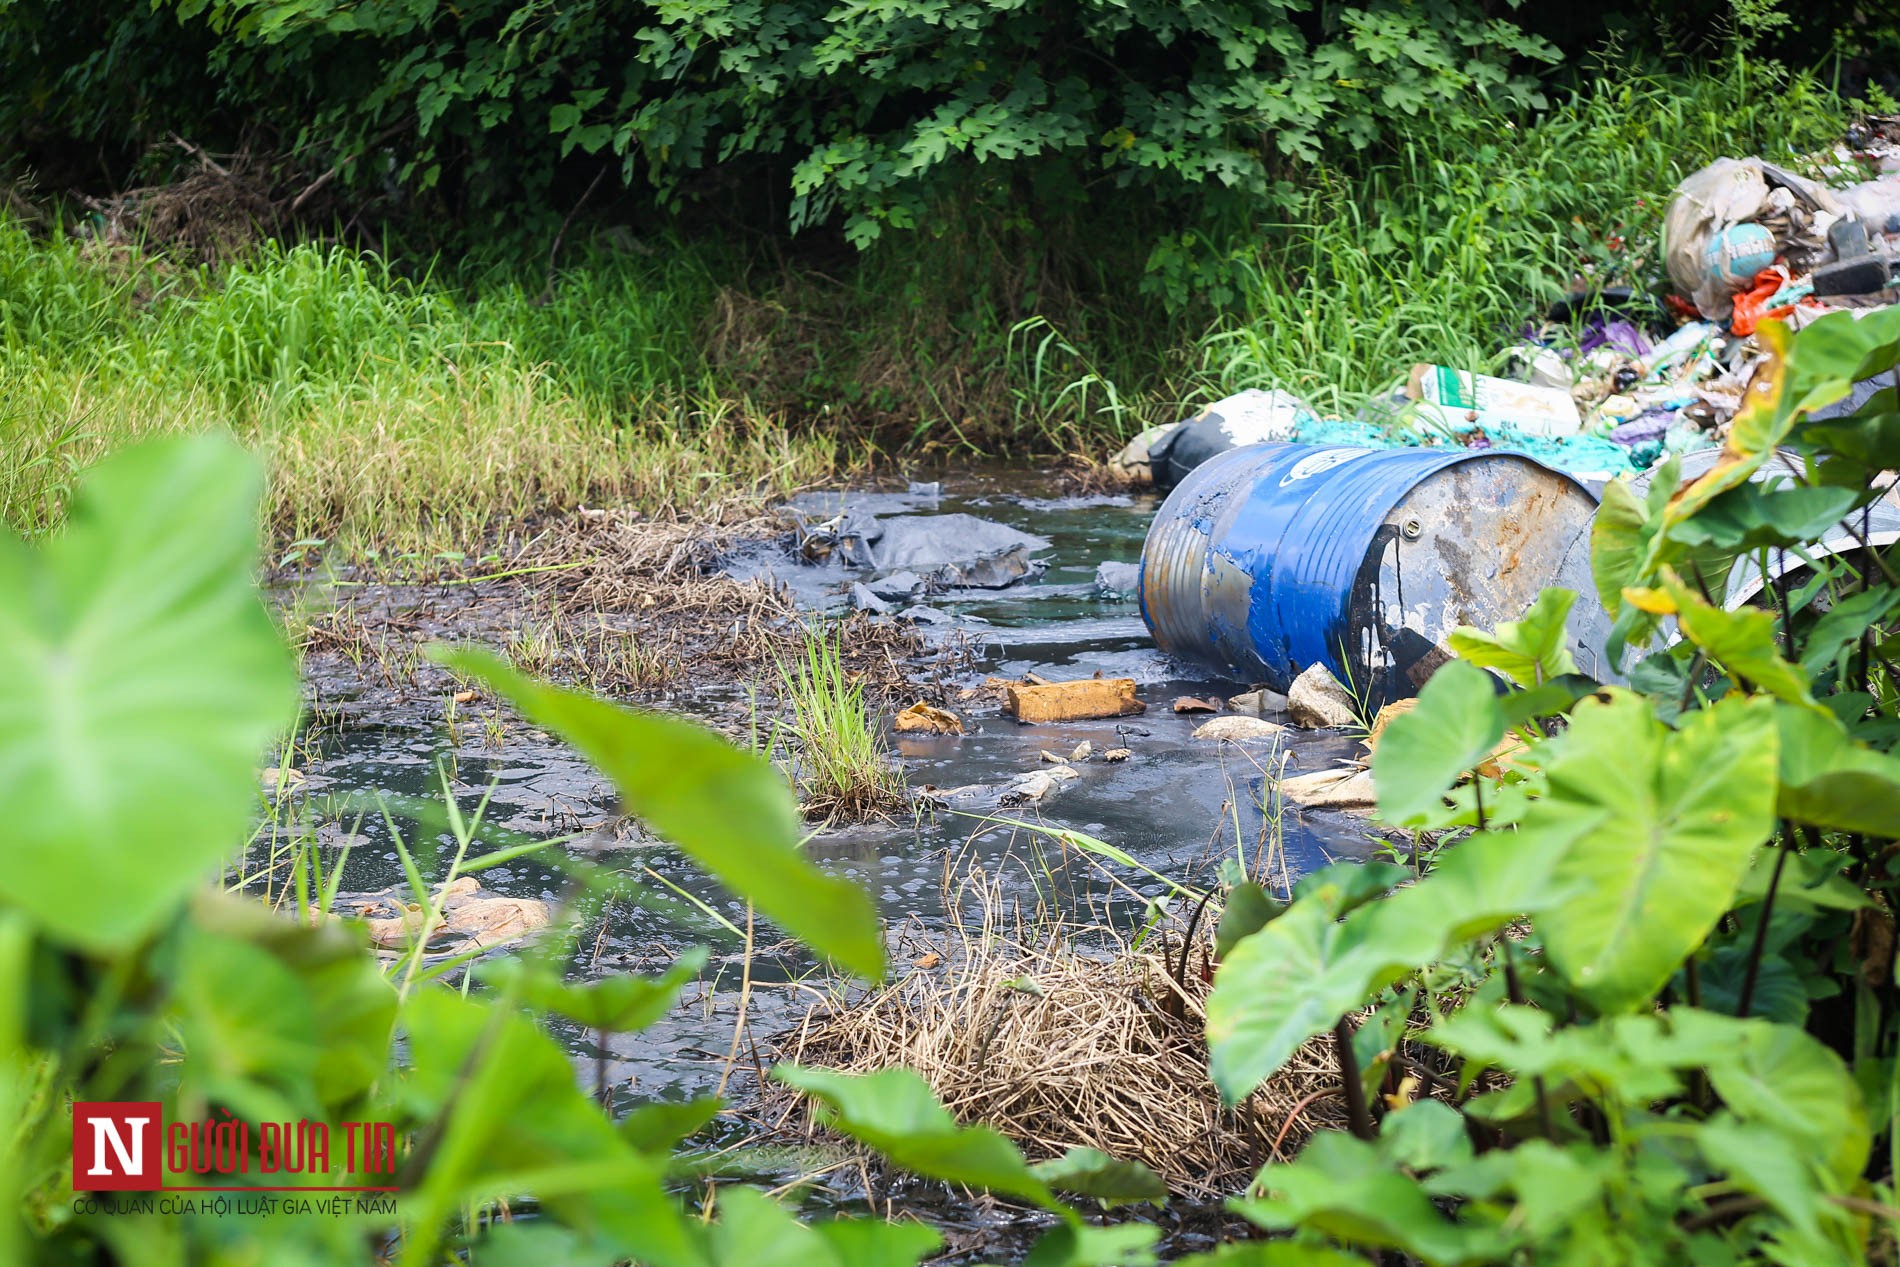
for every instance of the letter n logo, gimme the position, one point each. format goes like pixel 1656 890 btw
pixel 115 1146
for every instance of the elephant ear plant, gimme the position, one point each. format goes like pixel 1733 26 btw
pixel 141 680
pixel 1642 1009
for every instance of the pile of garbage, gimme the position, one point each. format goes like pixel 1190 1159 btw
pixel 1612 382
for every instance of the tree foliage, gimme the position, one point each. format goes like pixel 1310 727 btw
pixel 865 114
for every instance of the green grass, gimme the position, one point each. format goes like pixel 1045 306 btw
pixel 839 764
pixel 393 417
pixel 1443 251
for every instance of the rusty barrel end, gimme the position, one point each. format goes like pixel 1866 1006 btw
pixel 1273 557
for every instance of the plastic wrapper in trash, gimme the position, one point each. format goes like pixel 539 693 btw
pixel 1684 345
pixel 1875 203
pixel 1733 191
pixel 1538 365
pixel 1618 335
pixel 1457 401
pixel 1249 417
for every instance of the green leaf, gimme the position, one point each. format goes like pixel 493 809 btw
pixel 1422 753
pixel 620 1004
pixel 1248 910
pixel 1756 515
pixel 1342 1189
pixel 496 1106
pixel 876 1243
pixel 660 1126
pixel 1556 1189
pixel 1653 831
pixel 140 680
pixel 319 972
pixel 756 1231
pixel 1828 780
pixel 728 810
pixel 1619 537
pixel 1271 1254
pixel 1779 993
pixel 1297 976
pixel 1425 1135
pixel 1757 1160
pixel 1530 651
pixel 249 1033
pixel 1741 641
pixel 1843 624
pixel 1342 887
pixel 1089 1172
pixel 1809 881
pixel 1870 442
pixel 1595 1058
pixel 540 1243
pixel 1078 1245
pixel 1780 1077
pixel 894 1112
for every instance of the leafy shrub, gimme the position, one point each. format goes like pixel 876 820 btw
pixel 865 114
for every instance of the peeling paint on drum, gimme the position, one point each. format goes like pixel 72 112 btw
pixel 1273 557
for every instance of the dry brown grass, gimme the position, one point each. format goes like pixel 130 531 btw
pixel 658 577
pixel 1070 1038
pixel 213 213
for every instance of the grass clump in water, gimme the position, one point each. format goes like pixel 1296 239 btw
pixel 839 766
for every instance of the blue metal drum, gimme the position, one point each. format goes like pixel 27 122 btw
pixel 1274 557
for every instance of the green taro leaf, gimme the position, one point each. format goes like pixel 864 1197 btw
pixel 1841 626
pixel 1297 976
pixel 895 1112
pixel 1530 651
pixel 623 1004
pixel 1758 1161
pixel 140 680
pixel 1341 1188
pixel 1425 1135
pixel 1271 1254
pixel 1780 1077
pixel 498 1114
pixel 728 810
pixel 250 983
pixel 1828 780
pixel 1346 886
pixel 1249 909
pixel 1742 641
pixel 1809 881
pixel 541 1243
pixel 1870 440
pixel 1077 1245
pixel 250 1037
pixel 753 1230
pixel 1756 514
pixel 1619 537
pixel 1423 752
pixel 1653 830
pixel 1089 1172
pixel 660 1126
